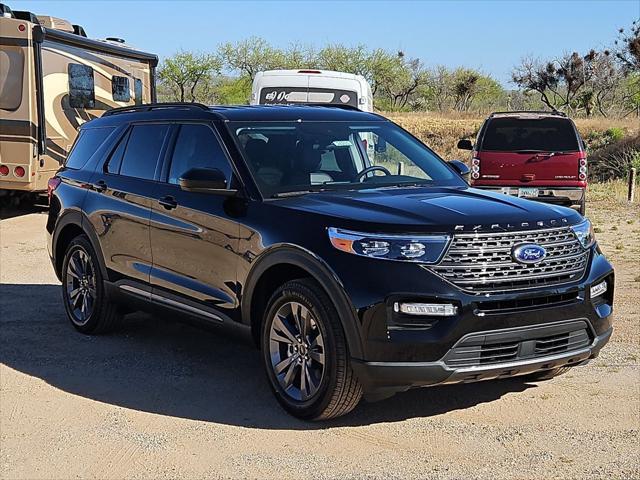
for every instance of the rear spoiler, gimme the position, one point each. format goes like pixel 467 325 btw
pixel 538 112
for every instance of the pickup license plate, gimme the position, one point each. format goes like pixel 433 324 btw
pixel 527 192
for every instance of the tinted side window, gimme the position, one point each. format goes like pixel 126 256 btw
pixel 120 89
pixel 143 149
pixel 116 157
pixel 86 145
pixel 197 147
pixel 81 87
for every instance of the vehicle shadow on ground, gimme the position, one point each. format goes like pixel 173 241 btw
pixel 169 368
pixel 10 211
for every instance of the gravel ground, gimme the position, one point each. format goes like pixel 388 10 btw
pixel 164 400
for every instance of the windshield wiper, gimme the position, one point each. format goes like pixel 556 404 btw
pixel 293 193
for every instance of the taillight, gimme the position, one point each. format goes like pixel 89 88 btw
pixel 582 169
pixel 19 172
pixel 52 184
pixel 475 168
pixel 4 170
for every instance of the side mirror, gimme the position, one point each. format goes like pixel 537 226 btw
pixel 465 144
pixel 205 180
pixel 461 168
pixel 381 145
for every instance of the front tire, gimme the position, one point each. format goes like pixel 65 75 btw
pixel 305 353
pixel 83 292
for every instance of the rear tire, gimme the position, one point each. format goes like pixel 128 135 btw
pixel 83 292
pixel 547 374
pixel 302 335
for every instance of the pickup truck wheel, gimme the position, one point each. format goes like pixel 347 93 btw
pixel 83 291
pixel 582 208
pixel 305 353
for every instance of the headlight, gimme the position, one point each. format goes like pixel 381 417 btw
pixel 584 232
pixel 408 248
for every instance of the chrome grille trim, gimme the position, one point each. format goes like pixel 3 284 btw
pixel 482 262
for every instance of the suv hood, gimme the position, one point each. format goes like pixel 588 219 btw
pixel 417 209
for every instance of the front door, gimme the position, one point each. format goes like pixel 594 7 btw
pixel 194 239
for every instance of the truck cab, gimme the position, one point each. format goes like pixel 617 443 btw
pixel 535 155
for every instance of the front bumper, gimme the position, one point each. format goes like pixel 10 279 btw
pixel 400 352
pixel 556 195
pixel 382 379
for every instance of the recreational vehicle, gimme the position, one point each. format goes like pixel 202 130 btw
pixel 277 87
pixel 52 79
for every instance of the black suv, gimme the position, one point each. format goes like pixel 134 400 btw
pixel 358 261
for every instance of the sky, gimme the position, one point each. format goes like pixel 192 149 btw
pixel 490 35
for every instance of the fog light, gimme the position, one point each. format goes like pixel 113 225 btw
pixel 434 309
pixel 598 289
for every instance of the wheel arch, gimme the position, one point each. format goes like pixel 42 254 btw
pixel 286 262
pixel 69 226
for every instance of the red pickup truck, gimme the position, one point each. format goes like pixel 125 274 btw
pixel 535 155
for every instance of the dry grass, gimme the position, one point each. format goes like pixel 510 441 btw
pixel 442 132
pixel 612 193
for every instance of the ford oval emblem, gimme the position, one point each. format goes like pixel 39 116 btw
pixel 528 253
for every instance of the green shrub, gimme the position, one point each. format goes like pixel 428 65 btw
pixel 615 134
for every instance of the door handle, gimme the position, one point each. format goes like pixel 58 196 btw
pixel 100 186
pixel 168 202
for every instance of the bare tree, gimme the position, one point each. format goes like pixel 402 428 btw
pixel 628 47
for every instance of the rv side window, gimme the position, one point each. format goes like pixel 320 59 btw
pixel 86 145
pixel 81 87
pixel 11 68
pixel 120 89
pixel 138 91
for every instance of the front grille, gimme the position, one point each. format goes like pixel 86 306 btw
pixel 482 262
pixel 496 348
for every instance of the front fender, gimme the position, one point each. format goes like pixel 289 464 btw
pixel 318 270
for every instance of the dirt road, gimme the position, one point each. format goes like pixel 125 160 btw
pixel 162 399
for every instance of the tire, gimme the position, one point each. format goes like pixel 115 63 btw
pixel 330 388
pixel 582 208
pixel 82 279
pixel 547 374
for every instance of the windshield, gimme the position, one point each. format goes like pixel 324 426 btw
pixel 304 156
pixel 537 134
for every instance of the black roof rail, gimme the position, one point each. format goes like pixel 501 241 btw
pixel 153 106
pixel 545 112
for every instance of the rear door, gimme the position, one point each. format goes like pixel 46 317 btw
pixel 339 91
pixel 284 89
pixel 119 205
pixel 194 236
pixel 531 150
